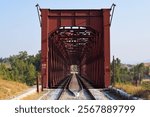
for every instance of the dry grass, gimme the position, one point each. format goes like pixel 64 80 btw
pixel 34 96
pixel 138 91
pixel 129 88
pixel 146 84
pixel 9 89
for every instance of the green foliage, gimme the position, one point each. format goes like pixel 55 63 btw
pixel 3 70
pixel 30 75
pixel 123 74
pixel 139 71
pixel 21 67
pixel 117 69
pixel 147 70
pixel 1 60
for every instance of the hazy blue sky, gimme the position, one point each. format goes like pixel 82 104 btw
pixel 130 30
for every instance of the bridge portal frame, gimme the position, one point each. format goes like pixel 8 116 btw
pixel 95 66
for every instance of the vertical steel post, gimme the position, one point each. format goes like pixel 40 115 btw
pixel 106 47
pixel 37 84
pixel 42 87
pixel 44 48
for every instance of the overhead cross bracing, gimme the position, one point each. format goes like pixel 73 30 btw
pixel 74 41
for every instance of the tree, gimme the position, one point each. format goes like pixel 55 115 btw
pixel 23 55
pixel 139 71
pixel 30 75
pixel 1 60
pixel 117 70
pixel 3 70
pixel 121 73
pixel 23 67
pixel 147 71
pixel 38 61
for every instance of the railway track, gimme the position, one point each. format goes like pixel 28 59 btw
pixel 64 87
pixel 75 89
pixel 110 93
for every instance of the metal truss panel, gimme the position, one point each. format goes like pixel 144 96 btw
pixel 79 37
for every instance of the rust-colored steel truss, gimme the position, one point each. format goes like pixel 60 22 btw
pixel 75 37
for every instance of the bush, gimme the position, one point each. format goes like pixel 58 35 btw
pixel 22 68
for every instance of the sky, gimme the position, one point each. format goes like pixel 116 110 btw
pixel 130 29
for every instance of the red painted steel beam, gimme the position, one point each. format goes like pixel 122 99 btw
pixel 106 44
pixel 44 47
pixel 63 29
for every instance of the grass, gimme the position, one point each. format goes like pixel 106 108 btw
pixel 142 91
pixel 9 89
pixel 146 84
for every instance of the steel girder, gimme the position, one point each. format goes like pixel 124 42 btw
pixel 79 37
